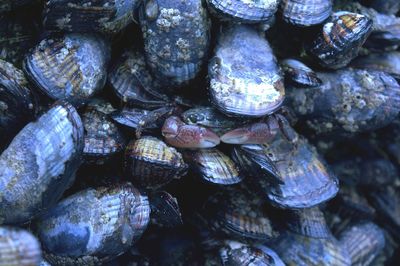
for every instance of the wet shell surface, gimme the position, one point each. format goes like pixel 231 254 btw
pixel 105 16
pixel 152 163
pixel 94 225
pixel 176 38
pixel 305 13
pixel 40 164
pixel 72 67
pixel 235 253
pixel 306 251
pixel 246 11
pixel 298 74
pixel 363 241
pixel 388 62
pixel 244 75
pixel 240 215
pixel 165 210
pixel 308 222
pixel 306 179
pixel 17 103
pixel 132 82
pixel 349 101
pixel 340 40
pixel 18 248
pixel 103 139
pixel 213 166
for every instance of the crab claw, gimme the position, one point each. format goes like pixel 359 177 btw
pixel 257 133
pixel 181 135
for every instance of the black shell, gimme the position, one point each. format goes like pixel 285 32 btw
pixel 364 242
pixel 152 163
pixel 245 11
pixel 306 180
pixel 103 138
pixel 132 117
pixel 176 38
pixel 349 101
pixel 388 62
pixel 238 214
pixel 18 33
pixel 18 248
pixel 298 74
pixel 308 222
pixel 40 164
pixel 165 210
pixel 306 251
pixel 132 82
pixel 340 39
pixel 72 67
pixel 94 225
pixel 17 103
pixel 213 166
pixel 304 13
pixel 244 76
pixel 104 16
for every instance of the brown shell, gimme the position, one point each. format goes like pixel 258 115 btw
pixel 152 163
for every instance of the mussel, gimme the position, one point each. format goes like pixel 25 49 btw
pixel 18 248
pixel 94 225
pixel 305 13
pixel 244 76
pixel 40 164
pixel 176 38
pixel 71 67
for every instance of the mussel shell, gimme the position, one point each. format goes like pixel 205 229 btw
pixel 17 103
pixel 306 180
pixel 18 33
pixel 348 102
pixel 40 164
pixel 213 166
pixel 18 248
pixel 364 242
pixel 103 138
pixel 94 224
pixel 308 222
pixel 235 254
pixel 72 67
pixel 340 39
pixel 244 11
pixel 165 210
pixel 152 163
pixel 305 13
pixel 244 76
pixel 211 118
pixel 133 83
pixel 237 214
pixel 131 118
pixel 306 251
pixel 105 16
pixel 298 74
pixel 388 62
pixel 176 38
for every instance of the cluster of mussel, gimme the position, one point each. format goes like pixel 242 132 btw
pixel 171 132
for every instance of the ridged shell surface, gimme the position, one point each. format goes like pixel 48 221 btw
pixel 305 13
pixel 73 67
pixel 18 248
pixel 40 164
pixel 244 76
pixel 94 225
pixel 176 38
